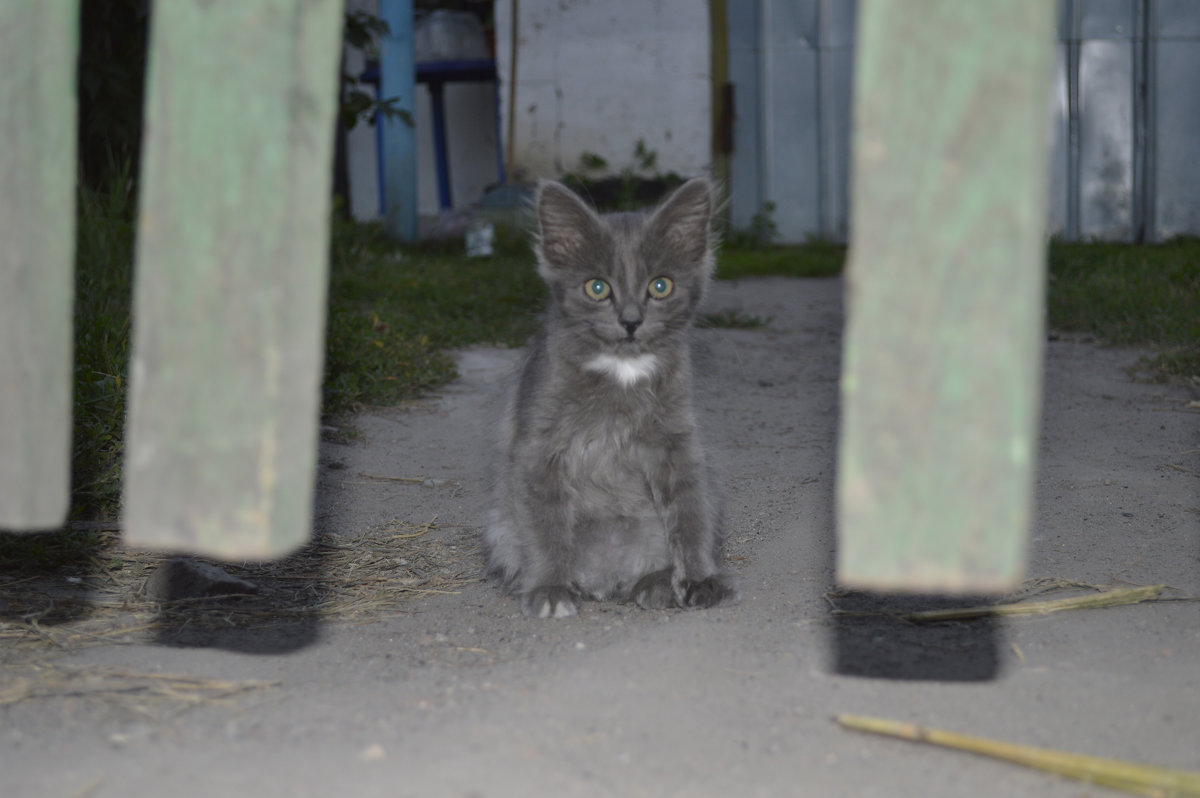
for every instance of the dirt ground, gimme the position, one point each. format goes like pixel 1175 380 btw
pixel 456 694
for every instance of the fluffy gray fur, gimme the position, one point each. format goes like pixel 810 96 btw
pixel 603 488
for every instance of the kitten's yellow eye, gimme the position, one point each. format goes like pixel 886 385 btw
pixel 660 287
pixel 597 290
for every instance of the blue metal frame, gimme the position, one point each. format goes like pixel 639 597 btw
pixel 398 149
pixel 437 74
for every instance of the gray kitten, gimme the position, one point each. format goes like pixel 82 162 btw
pixel 603 489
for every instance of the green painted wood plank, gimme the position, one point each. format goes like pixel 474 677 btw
pixel 38 48
pixel 229 301
pixel 941 373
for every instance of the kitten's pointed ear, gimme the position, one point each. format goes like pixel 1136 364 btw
pixel 682 222
pixel 568 229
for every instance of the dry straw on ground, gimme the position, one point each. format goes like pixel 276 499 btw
pixel 1019 604
pixel 86 588
pixel 99 598
pixel 1106 598
pixel 41 680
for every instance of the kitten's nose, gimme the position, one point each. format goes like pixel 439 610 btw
pixel 631 326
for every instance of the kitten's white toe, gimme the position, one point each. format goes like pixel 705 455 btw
pixel 549 602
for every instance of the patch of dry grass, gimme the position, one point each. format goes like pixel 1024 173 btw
pixel 1018 604
pixel 99 597
pixel 41 680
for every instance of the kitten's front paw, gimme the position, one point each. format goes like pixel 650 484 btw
pixel 654 592
pixel 704 593
pixel 549 602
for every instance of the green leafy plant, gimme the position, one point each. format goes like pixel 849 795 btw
pixel 636 186
pixel 646 159
pixel 363 31
pixel 591 162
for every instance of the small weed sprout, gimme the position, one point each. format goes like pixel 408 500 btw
pixel 761 233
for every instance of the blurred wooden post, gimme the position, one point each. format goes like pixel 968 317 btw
pixel 229 304
pixel 941 375
pixel 39 43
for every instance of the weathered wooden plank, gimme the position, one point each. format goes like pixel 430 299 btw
pixel 941 376
pixel 229 304
pixel 38 48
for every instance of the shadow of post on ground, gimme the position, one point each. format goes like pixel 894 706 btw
pixel 871 639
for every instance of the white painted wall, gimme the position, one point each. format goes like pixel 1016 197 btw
pixel 597 75
pixel 470 141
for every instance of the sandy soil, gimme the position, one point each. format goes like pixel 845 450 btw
pixel 458 695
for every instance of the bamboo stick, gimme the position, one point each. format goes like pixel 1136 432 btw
pixel 1131 777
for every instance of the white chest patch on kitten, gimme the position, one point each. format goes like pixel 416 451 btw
pixel 625 370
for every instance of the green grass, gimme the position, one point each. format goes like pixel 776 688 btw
pixel 1124 294
pixel 394 311
pixel 732 320
pixel 809 260
pixel 103 295
pixel 1131 295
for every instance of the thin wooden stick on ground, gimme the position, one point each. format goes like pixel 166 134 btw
pixel 1109 598
pixel 1128 776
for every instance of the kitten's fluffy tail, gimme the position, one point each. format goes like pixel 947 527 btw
pixel 503 554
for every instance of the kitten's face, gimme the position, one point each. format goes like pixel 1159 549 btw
pixel 625 284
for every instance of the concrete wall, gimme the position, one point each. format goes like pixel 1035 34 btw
pixel 596 76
